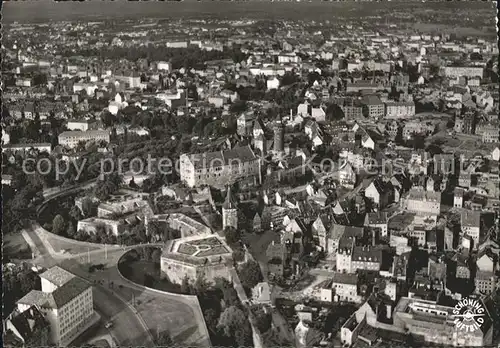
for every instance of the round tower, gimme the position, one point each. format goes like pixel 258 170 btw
pixel 229 212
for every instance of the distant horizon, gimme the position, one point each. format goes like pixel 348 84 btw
pixel 49 10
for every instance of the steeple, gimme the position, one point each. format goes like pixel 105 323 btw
pixel 229 211
pixel 229 203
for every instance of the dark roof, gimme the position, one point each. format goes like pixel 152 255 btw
pixel 367 253
pixel 69 291
pixel 377 218
pixel 345 278
pixel 64 293
pixel 28 322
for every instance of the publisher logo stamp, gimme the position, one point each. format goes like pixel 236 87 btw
pixel 469 315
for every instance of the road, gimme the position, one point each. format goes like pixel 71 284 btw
pixel 128 328
pixel 114 296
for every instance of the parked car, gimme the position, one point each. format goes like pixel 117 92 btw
pixel 108 325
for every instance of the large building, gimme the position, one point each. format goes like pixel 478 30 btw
pixel 186 225
pixel 218 168
pixel 72 138
pixel 423 202
pixel 374 107
pixel 438 324
pixel 120 205
pixel 468 71
pixel 470 222
pixel 66 303
pixel 396 110
pixel 207 257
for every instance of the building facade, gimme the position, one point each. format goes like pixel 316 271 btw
pixel 207 257
pixel 72 138
pixel 65 301
pixel 218 168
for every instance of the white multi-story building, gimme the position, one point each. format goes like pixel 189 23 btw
pixel 65 301
pixel 177 44
pixel 345 287
pixel 468 71
pixel 470 222
pixel 167 66
pixel 92 224
pixel 396 110
pixel 423 202
pixel 82 125
pixel 288 58
pixel 72 138
pixel 218 168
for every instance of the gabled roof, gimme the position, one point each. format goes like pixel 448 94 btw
pixel 28 322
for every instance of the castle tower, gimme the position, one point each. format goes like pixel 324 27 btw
pixel 279 135
pixel 229 211
pixel 260 143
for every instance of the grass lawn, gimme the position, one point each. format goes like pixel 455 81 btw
pixel 158 312
pixel 70 247
pixel 15 247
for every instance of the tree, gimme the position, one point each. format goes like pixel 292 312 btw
pixel 164 339
pixel 250 274
pixel 87 207
pixel 71 230
pixel 58 225
pixel 186 287
pixel 334 112
pixel 211 317
pixel 232 235
pixel 75 213
pixel 263 320
pixel 108 119
pixel 234 323
pixel 229 293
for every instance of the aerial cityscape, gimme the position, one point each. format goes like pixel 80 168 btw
pixel 250 174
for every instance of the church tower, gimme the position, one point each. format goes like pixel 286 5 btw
pixel 279 136
pixel 229 211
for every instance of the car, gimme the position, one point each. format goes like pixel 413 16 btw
pixel 108 325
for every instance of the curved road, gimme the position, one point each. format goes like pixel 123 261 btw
pixel 128 328
pixel 115 303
